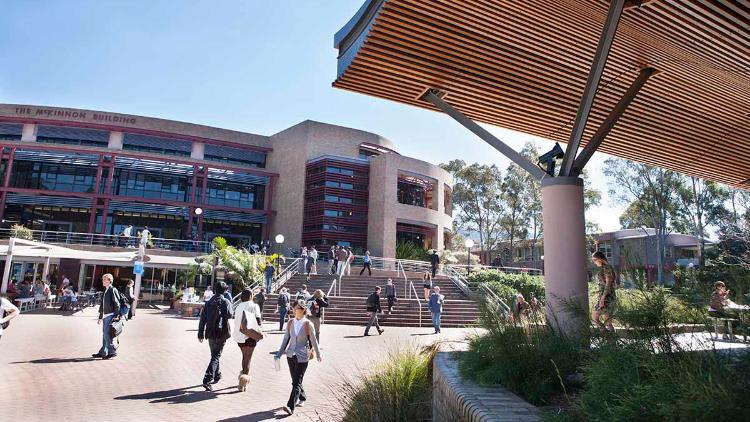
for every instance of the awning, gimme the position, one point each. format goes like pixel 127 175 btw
pixel 523 65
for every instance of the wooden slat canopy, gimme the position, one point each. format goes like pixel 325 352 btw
pixel 523 64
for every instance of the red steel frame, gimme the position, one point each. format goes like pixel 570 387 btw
pixel 100 200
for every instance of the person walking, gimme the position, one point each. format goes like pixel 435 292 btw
pixel 109 310
pixel 341 257
pixel 282 306
pixel 8 311
pixel 127 234
pixel 298 343
pixel 303 255
pixel 243 314
pixel 606 298
pixel 434 262
pixel 316 303
pixel 130 296
pixel 302 293
pixel 145 235
pixel 427 285
pixel 390 294
pixel 435 305
pixel 373 307
pixel 312 262
pixel 214 326
pixel 349 260
pixel 260 300
pixel 333 264
pixel 269 272
pixel 366 262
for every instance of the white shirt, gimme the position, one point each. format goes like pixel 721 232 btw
pixel 8 307
pixel 66 281
pixel 253 311
pixel 314 254
pixel 144 236
pixel 298 324
pixel 127 231
pixel 208 294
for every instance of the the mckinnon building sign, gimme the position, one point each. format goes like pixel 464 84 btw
pixel 75 114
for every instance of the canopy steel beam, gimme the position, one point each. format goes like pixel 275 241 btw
pixel 592 83
pixel 432 96
pixel 611 120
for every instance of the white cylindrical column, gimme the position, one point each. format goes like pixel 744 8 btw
pixel 28 132
pixel 115 140
pixel 198 150
pixel 8 264
pixel 566 289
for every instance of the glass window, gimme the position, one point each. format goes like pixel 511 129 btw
pixel 365 154
pixel 54 177
pixel 149 185
pixel 235 195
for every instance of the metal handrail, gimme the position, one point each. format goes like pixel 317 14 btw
pixel 419 302
pixel 406 279
pixel 101 239
pixel 492 296
pixel 333 285
pixel 458 280
pixel 286 274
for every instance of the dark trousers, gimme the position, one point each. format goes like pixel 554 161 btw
pixel 373 320
pixel 391 301
pixel 297 371
pixel 434 269
pixel 282 317
pixel 366 266
pixel 212 371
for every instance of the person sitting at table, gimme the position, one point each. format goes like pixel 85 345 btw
pixel 67 298
pixel 12 290
pixel 25 289
pixel 721 303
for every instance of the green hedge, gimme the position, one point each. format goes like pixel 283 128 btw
pixel 506 285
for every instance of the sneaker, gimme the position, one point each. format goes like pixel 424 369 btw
pixel 367 334
pixel 207 386
pixel 97 355
pixel 217 379
pixel 380 332
pixel 300 403
pixel 109 356
pixel 287 410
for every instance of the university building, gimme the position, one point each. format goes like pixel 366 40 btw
pixel 84 171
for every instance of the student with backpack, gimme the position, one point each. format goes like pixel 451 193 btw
pixel 606 298
pixel 373 307
pixel 317 302
pixel 109 313
pixel 282 306
pixel 300 346
pixel 214 326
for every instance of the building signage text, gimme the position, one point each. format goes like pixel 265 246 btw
pixel 75 114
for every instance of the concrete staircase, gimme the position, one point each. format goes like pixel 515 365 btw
pixel 348 308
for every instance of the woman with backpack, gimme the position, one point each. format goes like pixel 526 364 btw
pixel 300 346
pixel 317 302
pixel 247 315
pixel 606 299
pixel 8 311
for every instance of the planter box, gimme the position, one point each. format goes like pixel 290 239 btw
pixel 458 399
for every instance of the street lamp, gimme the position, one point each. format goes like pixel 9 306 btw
pixel 279 240
pixel 469 244
pixel 198 211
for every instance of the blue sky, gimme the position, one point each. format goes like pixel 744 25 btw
pixel 251 65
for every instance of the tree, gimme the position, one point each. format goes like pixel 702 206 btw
pixel 652 196
pixel 702 204
pixel 477 194
pixel 515 196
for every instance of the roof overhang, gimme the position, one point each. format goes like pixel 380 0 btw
pixel 523 65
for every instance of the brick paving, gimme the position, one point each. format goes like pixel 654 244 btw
pixel 47 372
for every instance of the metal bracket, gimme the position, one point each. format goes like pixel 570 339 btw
pixel 434 96
pixel 611 120
pixel 597 68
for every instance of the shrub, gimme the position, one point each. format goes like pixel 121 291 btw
pixel 520 283
pixel 532 365
pixel 411 251
pixel 399 389
pixel 21 232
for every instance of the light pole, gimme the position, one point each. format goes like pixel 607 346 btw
pixel 469 244
pixel 279 240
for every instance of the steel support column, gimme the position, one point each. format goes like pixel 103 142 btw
pixel 432 96
pixel 610 121
pixel 6 181
pixel 592 84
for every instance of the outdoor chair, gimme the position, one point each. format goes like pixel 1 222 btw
pixel 719 317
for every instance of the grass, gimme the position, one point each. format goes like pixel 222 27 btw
pixel 399 389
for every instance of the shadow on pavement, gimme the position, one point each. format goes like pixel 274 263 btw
pixel 423 334
pixel 263 415
pixel 362 336
pixel 57 360
pixel 179 395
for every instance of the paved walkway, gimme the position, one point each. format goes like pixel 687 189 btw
pixel 47 372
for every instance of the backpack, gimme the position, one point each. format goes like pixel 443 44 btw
pixel 311 356
pixel 214 323
pixel 371 302
pixel 120 298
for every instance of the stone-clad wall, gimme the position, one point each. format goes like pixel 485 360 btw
pixel 457 399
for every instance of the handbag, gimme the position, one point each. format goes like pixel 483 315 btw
pixel 255 332
pixel 115 328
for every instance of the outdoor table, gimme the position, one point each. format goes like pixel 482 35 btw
pixel 191 309
pixel 25 303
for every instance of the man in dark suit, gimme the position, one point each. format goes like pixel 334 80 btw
pixel 434 262
pixel 373 307
pixel 214 326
